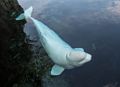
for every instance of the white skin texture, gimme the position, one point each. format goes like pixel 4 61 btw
pixel 61 53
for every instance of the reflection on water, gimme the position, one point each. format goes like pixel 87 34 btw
pixel 91 24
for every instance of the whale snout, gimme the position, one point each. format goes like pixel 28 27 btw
pixel 88 57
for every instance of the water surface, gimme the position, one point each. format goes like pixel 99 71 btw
pixel 91 24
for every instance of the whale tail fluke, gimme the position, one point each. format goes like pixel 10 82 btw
pixel 27 14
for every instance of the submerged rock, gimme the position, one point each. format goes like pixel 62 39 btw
pixel 14 52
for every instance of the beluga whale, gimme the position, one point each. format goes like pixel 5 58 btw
pixel 60 52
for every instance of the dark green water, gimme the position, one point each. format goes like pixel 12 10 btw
pixel 91 24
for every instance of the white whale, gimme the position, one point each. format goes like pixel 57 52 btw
pixel 61 53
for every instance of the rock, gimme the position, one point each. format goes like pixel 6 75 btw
pixel 21 64
pixel 14 52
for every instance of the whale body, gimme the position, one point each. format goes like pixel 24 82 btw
pixel 60 52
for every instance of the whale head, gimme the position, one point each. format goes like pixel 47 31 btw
pixel 77 58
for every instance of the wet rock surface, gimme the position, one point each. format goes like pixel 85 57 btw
pixel 20 63
pixel 13 50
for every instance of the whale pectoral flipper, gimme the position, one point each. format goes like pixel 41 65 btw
pixel 79 49
pixel 57 70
